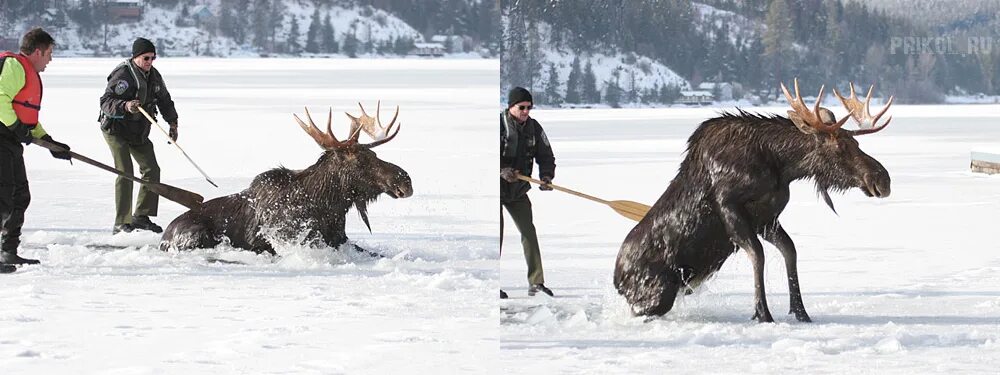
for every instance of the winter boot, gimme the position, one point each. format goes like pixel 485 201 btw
pixel 11 258
pixel 539 288
pixel 143 223
pixel 7 268
pixel 127 228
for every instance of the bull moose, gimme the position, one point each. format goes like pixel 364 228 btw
pixel 283 204
pixel 731 187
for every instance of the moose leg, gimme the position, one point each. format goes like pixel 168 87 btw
pixel 740 232
pixel 659 297
pixel 367 252
pixel 783 242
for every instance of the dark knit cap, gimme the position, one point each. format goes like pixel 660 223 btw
pixel 141 46
pixel 517 95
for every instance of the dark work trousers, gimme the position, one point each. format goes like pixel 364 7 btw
pixel 14 194
pixel 520 210
pixel 123 152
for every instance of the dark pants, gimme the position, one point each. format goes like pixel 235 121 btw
pixel 520 210
pixel 123 152
pixel 14 194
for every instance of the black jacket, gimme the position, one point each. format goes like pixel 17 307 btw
pixel 522 145
pixel 128 82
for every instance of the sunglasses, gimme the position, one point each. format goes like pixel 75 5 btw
pixel 147 58
pixel 524 107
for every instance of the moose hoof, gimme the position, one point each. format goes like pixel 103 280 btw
pixel 765 318
pixel 801 316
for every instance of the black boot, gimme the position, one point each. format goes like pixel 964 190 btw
pixel 143 223
pixel 7 268
pixel 502 294
pixel 10 257
pixel 127 228
pixel 539 288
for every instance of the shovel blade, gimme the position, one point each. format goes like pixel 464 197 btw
pixel 181 196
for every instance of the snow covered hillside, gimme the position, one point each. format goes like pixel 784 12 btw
pixel 178 31
pixel 631 72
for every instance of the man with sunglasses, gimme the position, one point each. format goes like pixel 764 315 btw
pixel 522 144
pixel 132 84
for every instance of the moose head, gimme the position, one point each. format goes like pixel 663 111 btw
pixel 351 171
pixel 837 162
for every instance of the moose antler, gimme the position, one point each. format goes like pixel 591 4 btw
pixel 806 120
pixel 861 111
pixel 326 140
pixel 373 125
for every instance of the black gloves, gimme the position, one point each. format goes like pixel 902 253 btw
pixel 22 131
pixel 132 106
pixel 64 154
pixel 546 187
pixel 173 132
pixel 508 174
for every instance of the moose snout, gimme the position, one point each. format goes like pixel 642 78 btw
pixel 876 184
pixel 401 187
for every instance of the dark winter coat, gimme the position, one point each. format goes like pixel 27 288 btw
pixel 522 145
pixel 127 82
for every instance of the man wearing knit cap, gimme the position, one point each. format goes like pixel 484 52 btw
pixel 132 84
pixel 522 144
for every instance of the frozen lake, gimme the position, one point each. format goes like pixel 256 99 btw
pixel 907 284
pixel 92 307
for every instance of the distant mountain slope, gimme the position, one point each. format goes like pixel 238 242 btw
pixel 255 27
pixel 949 15
pixel 751 45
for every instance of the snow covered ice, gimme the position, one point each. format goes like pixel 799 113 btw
pixel 907 284
pixel 904 284
pixel 116 304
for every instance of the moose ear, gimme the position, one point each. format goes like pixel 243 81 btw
pixel 801 124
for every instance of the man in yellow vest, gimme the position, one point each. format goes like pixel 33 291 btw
pixel 20 101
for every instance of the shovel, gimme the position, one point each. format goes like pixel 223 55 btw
pixel 184 197
pixel 632 210
pixel 153 121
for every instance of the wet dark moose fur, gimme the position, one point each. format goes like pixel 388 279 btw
pixel 730 189
pixel 284 205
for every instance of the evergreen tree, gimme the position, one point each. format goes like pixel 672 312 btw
pixel 632 95
pixel 329 37
pixel 261 26
pixel 613 92
pixel 351 45
pixel 778 37
pixel 403 45
pixel 590 91
pixel 369 45
pixel 573 83
pixel 241 20
pixel 277 17
pixel 83 15
pixel 227 19
pixel 552 86
pixel 669 93
pixel 293 38
pixel 312 36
